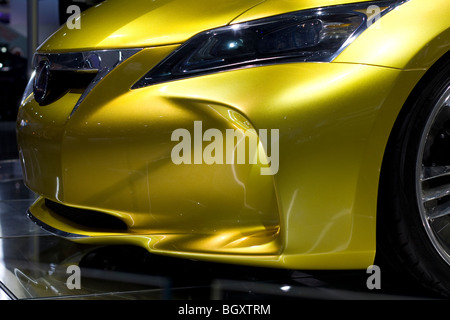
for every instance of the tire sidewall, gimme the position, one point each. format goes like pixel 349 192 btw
pixel 415 251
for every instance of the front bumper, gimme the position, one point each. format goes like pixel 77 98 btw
pixel 113 155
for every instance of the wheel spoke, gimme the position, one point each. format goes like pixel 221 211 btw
pixel 436 193
pixel 429 173
pixel 439 211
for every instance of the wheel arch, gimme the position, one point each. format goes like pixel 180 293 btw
pixel 401 120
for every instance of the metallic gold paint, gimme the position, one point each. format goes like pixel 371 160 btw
pixel 318 212
pixel 118 24
pixel 412 36
pixel 274 7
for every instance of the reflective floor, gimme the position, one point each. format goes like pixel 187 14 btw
pixel 37 265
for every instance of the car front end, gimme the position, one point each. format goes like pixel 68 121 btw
pixel 110 106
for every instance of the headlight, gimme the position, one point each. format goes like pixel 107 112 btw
pixel 312 35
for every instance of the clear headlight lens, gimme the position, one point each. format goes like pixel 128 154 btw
pixel 312 35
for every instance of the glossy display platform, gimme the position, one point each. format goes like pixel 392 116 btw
pixel 37 265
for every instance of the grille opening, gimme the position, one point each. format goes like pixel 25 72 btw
pixel 87 218
pixel 61 82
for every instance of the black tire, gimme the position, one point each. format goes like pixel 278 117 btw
pixel 410 233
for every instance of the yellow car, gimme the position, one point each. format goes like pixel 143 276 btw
pixel 303 134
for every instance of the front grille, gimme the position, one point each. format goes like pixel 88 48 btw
pixel 87 218
pixel 58 73
pixel 61 82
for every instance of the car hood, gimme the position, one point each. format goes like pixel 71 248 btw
pixel 144 23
